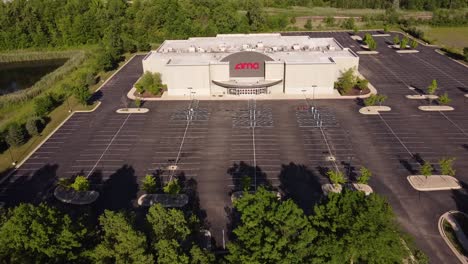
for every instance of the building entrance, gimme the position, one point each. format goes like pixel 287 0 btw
pixel 243 91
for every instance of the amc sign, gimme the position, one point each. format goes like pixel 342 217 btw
pixel 247 64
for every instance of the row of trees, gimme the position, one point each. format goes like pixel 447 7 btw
pixel 44 234
pixel 344 228
pixel 268 231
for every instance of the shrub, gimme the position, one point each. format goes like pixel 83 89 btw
pixel 137 102
pixel 43 105
pixel 414 44
pixel 336 177
pixel 426 169
pixel 362 84
pixel 396 40
pixel 150 82
pixel 349 23
pixel 365 175
pixel 16 135
pixel 431 89
pixel 372 44
pixel 404 43
pixel 80 184
pixel 385 29
pixel 35 125
pixel 355 30
pixel 330 21
pixel 347 81
pixel 308 24
pixel 371 100
pixel 381 98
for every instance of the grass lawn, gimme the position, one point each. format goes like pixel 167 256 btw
pixel 450 233
pixel 451 37
pixel 331 11
pixel 56 117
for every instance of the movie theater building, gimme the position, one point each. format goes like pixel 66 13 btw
pixel 239 64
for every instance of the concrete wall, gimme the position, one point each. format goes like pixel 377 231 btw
pixel 274 70
pixel 304 76
pixel 344 63
pixel 180 77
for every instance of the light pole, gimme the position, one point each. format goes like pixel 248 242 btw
pixel 68 105
pixel 190 92
pixel 313 93
pixel 13 162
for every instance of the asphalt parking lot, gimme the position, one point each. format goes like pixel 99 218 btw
pixel 282 144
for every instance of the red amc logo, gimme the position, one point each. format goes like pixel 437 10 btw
pixel 247 66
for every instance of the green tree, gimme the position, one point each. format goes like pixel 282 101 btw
pixel 246 183
pixel 40 234
pixel 426 169
pixel 293 20
pixel 200 256
pixel 120 242
pixel 349 23
pixel 255 16
pixel 355 30
pixel 308 24
pixel 371 237
pixel 366 174
pixel 362 84
pixel 44 104
pixel 385 29
pixel 381 98
pixel 372 44
pixel 432 88
pixel 336 177
pixel 149 184
pixel 167 224
pixel 330 21
pixel 80 184
pixel 396 40
pixel 16 135
pixel 82 94
pixel 34 125
pixel 170 252
pixel 172 187
pixel 270 231
pixel 404 43
pixel 446 166
pixel 414 44
pixel 444 99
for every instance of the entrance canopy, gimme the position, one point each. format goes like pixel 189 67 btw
pixel 256 84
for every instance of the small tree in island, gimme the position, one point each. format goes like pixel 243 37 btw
pixel 446 166
pixel 138 103
pixel 366 174
pixel 149 184
pixel 414 44
pixel 150 82
pixel 172 187
pixel 404 43
pixel 444 99
pixel 396 40
pixel 426 169
pixel 81 184
pixel 431 89
pixel 336 177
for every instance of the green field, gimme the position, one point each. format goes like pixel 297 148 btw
pixel 451 37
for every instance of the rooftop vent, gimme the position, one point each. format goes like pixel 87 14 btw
pixel 296 47
pixel 191 49
pixel 260 45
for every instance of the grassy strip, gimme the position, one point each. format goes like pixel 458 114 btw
pixel 450 233
pixel 332 11
pixel 56 117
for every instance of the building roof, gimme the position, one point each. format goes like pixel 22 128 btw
pixel 211 50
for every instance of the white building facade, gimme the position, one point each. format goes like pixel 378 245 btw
pixel 238 64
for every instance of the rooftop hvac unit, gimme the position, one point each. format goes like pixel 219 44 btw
pixel 191 49
pixel 330 47
pixel 200 49
pixel 260 45
pixel 274 48
pixel 245 46
pixel 296 47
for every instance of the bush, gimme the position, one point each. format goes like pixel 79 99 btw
pixel 362 84
pixel 80 184
pixel 349 23
pixel 396 40
pixel 446 166
pixel 308 24
pixel 43 105
pixel 150 82
pixel 414 44
pixel 35 125
pixel 137 102
pixel 404 43
pixel 336 177
pixel 347 81
pixel 82 94
pixel 16 135
pixel 385 29
pixel 330 21
pixel 371 100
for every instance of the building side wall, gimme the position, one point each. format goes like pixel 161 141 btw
pixel 344 63
pixel 218 72
pixel 275 71
pixel 305 76
pixel 179 78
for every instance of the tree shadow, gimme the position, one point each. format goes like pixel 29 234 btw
pixel 33 188
pixel 465 146
pixel 119 191
pixel 301 185
pixel 190 188
pixel 95 97
pixel 359 102
pixel 407 166
pixel 461 197
pixel 463 89
pixel 257 176
pixel 350 171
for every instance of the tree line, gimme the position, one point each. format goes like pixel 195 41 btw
pixel 347 227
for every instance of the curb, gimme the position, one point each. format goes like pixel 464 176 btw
pixel 460 257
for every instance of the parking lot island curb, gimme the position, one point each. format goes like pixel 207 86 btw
pixel 458 232
pixel 166 200
pixel 407 51
pixel 70 196
pixel 433 183
pixel 356 37
pixel 331 188
pixel 363 188
pixel 367 52
pixel 466 95
pixel 374 110
pixel 435 108
pixel 422 96
pixel 132 110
